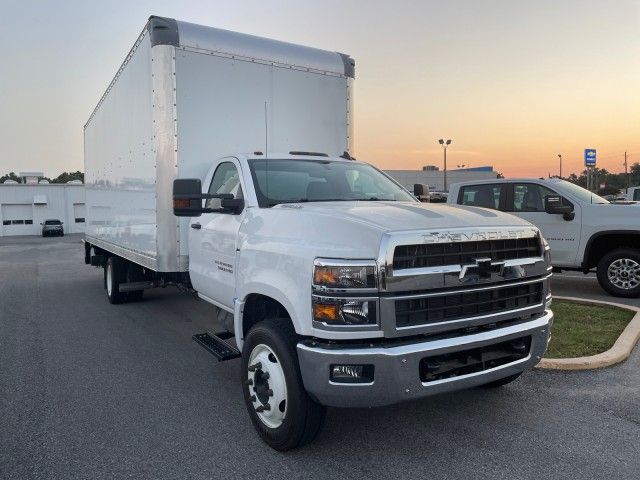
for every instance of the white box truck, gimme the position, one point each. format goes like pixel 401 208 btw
pixel 220 163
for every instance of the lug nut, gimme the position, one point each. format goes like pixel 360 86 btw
pixel 265 376
pixel 269 393
pixel 262 408
pixel 248 382
pixel 254 367
pixel 252 398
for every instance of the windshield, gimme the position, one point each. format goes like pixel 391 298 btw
pixel 52 222
pixel 292 181
pixel 583 194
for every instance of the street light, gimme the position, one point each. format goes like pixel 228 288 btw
pixel 560 157
pixel 444 146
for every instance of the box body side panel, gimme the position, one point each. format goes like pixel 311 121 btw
pixel 120 161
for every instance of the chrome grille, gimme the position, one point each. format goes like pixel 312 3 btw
pixel 445 307
pixel 461 253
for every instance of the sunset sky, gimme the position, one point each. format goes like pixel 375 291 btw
pixel 512 82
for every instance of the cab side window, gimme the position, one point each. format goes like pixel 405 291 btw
pixel 487 196
pixel 529 197
pixel 226 179
pixel 636 194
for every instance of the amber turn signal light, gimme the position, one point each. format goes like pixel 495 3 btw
pixel 324 276
pixel 181 203
pixel 323 311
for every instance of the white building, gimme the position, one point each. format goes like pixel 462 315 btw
pixel 435 178
pixel 24 206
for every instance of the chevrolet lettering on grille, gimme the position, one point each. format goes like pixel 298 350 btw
pixel 445 237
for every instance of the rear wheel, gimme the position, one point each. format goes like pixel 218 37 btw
pixel 619 272
pixel 115 274
pixel 135 274
pixel 280 408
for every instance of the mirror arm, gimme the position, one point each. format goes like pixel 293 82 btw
pixel 202 196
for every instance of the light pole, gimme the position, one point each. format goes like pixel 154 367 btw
pixel 560 157
pixel 444 146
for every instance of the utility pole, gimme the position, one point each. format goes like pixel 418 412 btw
pixel 444 146
pixel 560 157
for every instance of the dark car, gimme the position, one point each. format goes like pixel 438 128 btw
pixel 52 227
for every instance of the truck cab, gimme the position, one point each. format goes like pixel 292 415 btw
pixel 328 266
pixel 585 231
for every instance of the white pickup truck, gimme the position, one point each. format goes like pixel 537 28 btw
pixel 334 285
pixel 585 231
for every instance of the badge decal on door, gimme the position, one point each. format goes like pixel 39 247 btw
pixel 225 267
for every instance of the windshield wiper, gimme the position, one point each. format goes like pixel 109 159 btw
pixel 306 200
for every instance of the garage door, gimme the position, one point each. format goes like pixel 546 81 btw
pixel 18 220
pixel 79 212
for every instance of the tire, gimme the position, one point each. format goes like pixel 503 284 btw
pixel 619 272
pixel 274 342
pixel 115 274
pixel 502 381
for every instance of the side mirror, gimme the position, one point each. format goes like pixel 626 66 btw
pixel 187 197
pixel 421 192
pixel 557 205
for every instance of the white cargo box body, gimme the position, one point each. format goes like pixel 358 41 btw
pixel 184 96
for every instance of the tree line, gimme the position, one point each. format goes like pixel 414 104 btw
pixel 613 182
pixel 64 177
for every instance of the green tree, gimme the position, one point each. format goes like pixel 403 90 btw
pixel 10 176
pixel 65 177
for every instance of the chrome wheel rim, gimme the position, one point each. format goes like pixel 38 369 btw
pixel 624 273
pixel 109 286
pixel 267 386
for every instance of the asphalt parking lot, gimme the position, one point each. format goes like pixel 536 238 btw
pixel 93 390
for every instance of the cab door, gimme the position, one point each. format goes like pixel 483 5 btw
pixel 526 200
pixel 213 239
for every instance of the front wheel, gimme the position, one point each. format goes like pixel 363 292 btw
pixel 619 272
pixel 280 408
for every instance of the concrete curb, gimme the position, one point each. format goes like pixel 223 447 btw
pixel 619 352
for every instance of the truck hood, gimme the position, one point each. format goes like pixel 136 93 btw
pixel 611 215
pixel 394 216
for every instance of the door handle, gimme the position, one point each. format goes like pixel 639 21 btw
pixel 197 226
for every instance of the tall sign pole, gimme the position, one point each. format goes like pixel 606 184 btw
pixel 590 164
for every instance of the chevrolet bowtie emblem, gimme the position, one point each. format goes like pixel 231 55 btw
pixel 483 267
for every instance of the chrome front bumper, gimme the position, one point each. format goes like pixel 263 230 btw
pixel 397 368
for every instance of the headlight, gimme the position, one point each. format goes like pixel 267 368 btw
pixel 335 286
pixel 344 311
pixel 344 274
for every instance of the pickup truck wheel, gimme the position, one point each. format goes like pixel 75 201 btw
pixel 280 409
pixel 619 272
pixel 502 381
pixel 115 274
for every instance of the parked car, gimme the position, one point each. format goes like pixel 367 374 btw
pixel 585 231
pixel 337 285
pixel 438 196
pixel 52 228
pixel 634 194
